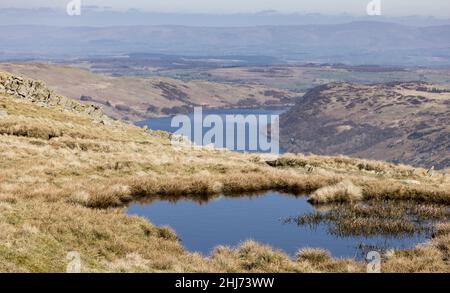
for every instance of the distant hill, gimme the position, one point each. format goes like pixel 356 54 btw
pixel 398 122
pixel 363 42
pixel 104 16
pixel 138 98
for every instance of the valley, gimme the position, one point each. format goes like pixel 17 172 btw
pixel 383 113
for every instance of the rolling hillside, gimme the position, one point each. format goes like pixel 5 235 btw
pixel 138 98
pixel 399 122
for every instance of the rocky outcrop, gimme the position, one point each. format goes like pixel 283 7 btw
pixel 38 93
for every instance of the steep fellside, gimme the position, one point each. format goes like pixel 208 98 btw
pixel 397 122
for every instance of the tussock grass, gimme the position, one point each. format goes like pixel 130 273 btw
pixel 41 233
pixel 313 255
pixel 344 191
pixel 251 256
pixel 372 218
pixel 347 164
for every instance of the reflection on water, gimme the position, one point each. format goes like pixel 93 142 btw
pixel 287 222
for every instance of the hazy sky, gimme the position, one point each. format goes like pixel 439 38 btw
pixel 438 8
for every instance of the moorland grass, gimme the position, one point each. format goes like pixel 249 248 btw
pixel 65 180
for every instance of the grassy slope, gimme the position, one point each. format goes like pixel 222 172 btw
pixel 67 193
pixel 139 93
pixel 404 122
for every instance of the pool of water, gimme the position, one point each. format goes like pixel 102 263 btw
pixel 202 225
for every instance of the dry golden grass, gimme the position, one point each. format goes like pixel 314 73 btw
pixel 64 180
pixel 139 93
pixel 314 255
pixel 344 191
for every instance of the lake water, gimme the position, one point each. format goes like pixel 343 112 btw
pixel 201 226
pixel 231 220
pixel 163 123
pixel 251 128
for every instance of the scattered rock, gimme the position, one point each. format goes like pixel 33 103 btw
pixel 411 182
pixel 430 172
pixel 309 168
pixel 269 159
pixel 38 93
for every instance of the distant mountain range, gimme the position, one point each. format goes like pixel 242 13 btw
pixel 351 43
pixel 102 16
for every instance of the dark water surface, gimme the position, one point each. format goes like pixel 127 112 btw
pixel 231 220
